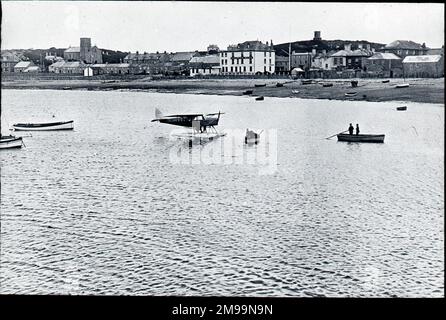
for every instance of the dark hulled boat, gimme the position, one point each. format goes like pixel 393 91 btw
pixel 374 138
pixel 260 85
pixel 261 98
pixel 401 108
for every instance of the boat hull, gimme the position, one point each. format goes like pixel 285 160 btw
pixel 401 108
pixel 404 85
pixel 69 125
pixel 10 142
pixel 370 138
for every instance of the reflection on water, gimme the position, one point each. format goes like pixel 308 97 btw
pixel 103 210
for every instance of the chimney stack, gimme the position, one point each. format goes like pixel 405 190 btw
pixel 348 46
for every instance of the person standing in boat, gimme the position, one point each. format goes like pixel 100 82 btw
pixel 357 129
pixel 351 129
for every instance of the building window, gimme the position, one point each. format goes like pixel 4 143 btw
pixel 244 69
pixel 264 61
pixel 250 69
pixel 231 69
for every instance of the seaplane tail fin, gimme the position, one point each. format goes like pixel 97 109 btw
pixel 158 113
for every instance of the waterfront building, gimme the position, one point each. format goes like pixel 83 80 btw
pixel 351 59
pixel 387 64
pixel 248 58
pixel 404 48
pixel 109 68
pixel 70 67
pixel 23 66
pixel 302 60
pixel 9 60
pixel 323 61
pixel 204 65
pixel 282 65
pixel 424 66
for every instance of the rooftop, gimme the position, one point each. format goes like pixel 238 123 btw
pixel 384 56
pixel 422 59
pixel 23 64
pixel 404 44
pixel 352 53
pixel 210 59
pixel 73 49
pixel 251 46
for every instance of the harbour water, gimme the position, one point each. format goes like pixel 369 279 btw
pixel 103 209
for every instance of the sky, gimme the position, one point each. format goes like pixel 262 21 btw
pixel 188 26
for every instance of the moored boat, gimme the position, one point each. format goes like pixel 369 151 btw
pixel 260 85
pixel 247 92
pixel 10 142
pixel 295 91
pixel 350 94
pixel 386 81
pixel 402 85
pixel 261 98
pixel 279 84
pixel 327 84
pixel 252 137
pixel 374 138
pixel 307 81
pixel 50 126
pixel 401 108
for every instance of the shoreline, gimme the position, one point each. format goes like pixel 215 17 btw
pixel 373 90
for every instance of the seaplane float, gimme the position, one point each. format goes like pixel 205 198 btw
pixel 201 127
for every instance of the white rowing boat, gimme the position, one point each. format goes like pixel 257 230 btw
pixel 50 126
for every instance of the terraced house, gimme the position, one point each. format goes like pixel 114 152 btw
pixel 248 58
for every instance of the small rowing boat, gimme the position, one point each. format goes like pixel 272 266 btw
pixel 402 85
pixel 386 81
pixel 307 81
pixel 350 94
pixel 261 98
pixel 10 142
pixel 260 85
pixel 327 84
pixel 50 126
pixel 374 138
pixel 295 91
pixel 247 92
pixel 401 108
pixel 279 84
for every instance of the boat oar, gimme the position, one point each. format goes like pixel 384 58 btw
pixel 336 134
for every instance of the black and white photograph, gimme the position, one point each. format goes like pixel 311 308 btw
pixel 222 149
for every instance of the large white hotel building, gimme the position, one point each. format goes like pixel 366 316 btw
pixel 249 57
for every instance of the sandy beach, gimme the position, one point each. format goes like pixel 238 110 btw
pixel 420 90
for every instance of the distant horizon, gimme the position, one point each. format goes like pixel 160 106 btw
pixel 158 26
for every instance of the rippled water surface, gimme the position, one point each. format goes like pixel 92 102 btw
pixel 104 209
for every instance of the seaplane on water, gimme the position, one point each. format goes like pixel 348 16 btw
pixel 202 126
